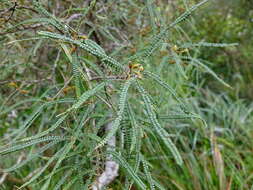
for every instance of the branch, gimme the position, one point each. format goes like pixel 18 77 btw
pixel 111 167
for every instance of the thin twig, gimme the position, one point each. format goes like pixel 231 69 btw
pixel 25 82
pixel 108 78
pixel 72 17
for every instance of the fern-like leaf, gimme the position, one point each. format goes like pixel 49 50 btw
pixel 147 173
pixel 94 51
pixel 54 21
pixel 160 131
pixel 186 14
pixel 208 44
pixel 157 40
pixel 17 147
pixel 31 157
pixel 123 163
pixel 86 95
pixel 134 128
pixel 168 87
pixel 198 63
pixel 116 122
pixel 54 126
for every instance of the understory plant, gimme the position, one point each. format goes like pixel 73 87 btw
pixel 108 102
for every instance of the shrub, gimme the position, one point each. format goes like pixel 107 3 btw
pixel 96 90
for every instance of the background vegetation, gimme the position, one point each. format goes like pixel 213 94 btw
pixel 178 123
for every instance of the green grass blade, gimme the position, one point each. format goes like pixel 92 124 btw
pixel 37 175
pixel 31 157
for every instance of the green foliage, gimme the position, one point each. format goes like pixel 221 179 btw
pixel 19 146
pixel 128 169
pixel 94 50
pixel 228 22
pixel 71 68
pixel 116 123
pixel 160 131
pixel 85 96
pixel 147 173
pixel 32 156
